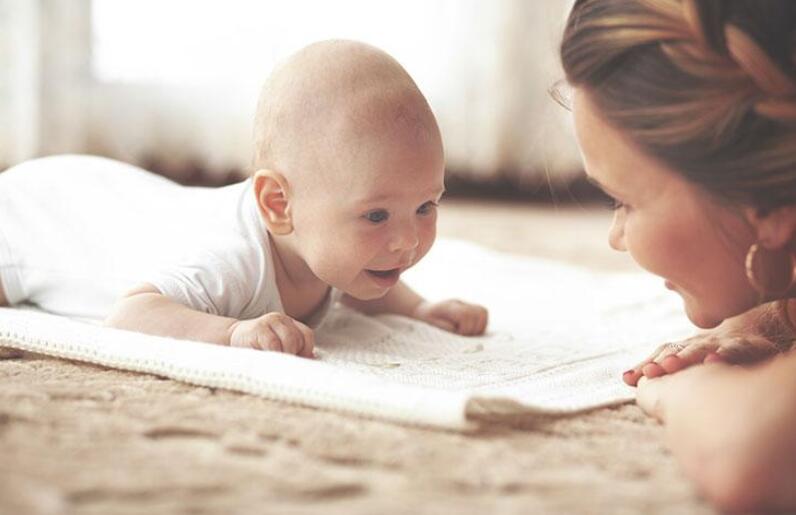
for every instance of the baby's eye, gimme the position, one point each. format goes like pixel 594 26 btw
pixel 427 208
pixel 378 216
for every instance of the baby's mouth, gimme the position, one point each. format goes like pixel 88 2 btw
pixel 385 274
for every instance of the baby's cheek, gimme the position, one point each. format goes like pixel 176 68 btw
pixel 427 239
pixel 366 247
pixel 371 243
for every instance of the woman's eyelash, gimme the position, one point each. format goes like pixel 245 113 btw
pixel 614 204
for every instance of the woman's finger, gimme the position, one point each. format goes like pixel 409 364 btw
pixel 653 370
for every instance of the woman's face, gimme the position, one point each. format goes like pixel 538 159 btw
pixel 670 226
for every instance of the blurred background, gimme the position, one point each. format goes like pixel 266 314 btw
pixel 171 85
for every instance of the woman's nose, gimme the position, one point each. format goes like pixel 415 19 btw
pixel 616 235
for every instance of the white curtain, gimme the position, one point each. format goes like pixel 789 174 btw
pixel 44 57
pixel 177 81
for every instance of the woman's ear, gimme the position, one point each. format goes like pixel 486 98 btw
pixel 273 200
pixel 775 228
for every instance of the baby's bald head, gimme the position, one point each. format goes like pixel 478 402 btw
pixel 321 107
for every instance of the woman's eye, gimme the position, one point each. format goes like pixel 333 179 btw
pixel 426 208
pixel 615 204
pixel 377 216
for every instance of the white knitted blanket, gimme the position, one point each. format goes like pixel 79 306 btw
pixel 558 340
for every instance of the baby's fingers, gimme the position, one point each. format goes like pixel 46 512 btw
pixel 267 339
pixel 444 323
pixel 481 320
pixel 308 351
pixel 458 317
pixel 469 326
pixel 291 338
pixel 467 318
pixel 443 315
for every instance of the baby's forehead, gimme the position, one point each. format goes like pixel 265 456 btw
pixel 333 76
pixel 366 125
pixel 339 106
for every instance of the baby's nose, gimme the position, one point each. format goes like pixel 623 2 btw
pixel 404 239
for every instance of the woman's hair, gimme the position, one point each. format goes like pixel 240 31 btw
pixel 707 86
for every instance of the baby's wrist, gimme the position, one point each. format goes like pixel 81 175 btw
pixel 419 308
pixel 231 330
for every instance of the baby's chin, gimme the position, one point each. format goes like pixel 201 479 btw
pixel 366 296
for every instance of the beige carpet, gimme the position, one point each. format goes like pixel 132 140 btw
pixel 81 439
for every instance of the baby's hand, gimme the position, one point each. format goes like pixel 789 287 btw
pixel 454 316
pixel 730 347
pixel 276 332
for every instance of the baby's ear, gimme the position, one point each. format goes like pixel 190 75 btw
pixel 271 191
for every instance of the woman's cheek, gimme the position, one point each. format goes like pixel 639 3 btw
pixel 643 242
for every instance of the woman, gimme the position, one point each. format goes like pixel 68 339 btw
pixel 685 112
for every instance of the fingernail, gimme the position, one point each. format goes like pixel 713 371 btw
pixel 631 371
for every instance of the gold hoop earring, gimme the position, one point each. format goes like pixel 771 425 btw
pixel 771 273
pixel 784 314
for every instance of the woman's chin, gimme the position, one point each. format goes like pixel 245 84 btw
pixel 711 312
pixel 701 319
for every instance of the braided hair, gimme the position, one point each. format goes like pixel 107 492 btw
pixel 706 86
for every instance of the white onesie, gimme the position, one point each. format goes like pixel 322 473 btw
pixel 77 232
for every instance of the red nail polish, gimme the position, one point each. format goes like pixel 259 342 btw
pixel 631 371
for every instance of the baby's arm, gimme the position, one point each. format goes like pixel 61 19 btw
pixel 452 315
pixel 146 310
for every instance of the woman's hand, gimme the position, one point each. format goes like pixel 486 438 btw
pixel 731 428
pixel 754 336
pixel 713 346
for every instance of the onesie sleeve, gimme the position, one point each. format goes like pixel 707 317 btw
pixel 221 280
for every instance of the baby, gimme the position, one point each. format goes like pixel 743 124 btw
pixel 348 174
